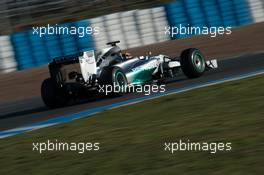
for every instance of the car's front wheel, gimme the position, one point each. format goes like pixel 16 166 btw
pixel 192 63
pixel 119 79
pixel 115 78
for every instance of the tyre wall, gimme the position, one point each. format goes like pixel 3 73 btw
pixel 23 50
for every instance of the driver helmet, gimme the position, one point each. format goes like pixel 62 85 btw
pixel 127 55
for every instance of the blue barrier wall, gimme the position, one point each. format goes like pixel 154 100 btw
pixel 31 50
pixel 210 13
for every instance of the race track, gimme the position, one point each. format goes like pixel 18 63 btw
pixel 25 112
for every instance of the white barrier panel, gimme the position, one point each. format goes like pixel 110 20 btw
pixel 130 29
pixel 160 21
pixel 7 56
pixel 133 28
pixel 101 38
pixel 257 10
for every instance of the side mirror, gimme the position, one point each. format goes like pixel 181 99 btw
pixel 149 53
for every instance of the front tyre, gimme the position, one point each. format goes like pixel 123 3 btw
pixel 119 79
pixel 116 79
pixel 192 63
pixel 52 96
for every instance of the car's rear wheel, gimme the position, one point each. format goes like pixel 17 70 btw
pixel 192 63
pixel 52 96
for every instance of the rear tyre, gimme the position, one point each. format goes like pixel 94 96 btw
pixel 192 63
pixel 52 96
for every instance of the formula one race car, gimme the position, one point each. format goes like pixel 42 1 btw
pixel 81 75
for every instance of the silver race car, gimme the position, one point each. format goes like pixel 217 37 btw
pixel 79 76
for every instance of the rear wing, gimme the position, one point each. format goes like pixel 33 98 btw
pixel 88 65
pixel 86 60
pixel 57 63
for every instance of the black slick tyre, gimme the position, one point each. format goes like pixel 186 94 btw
pixel 193 63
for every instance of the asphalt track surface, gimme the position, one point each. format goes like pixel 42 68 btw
pixel 32 110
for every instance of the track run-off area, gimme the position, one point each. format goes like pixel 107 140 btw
pixel 31 114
